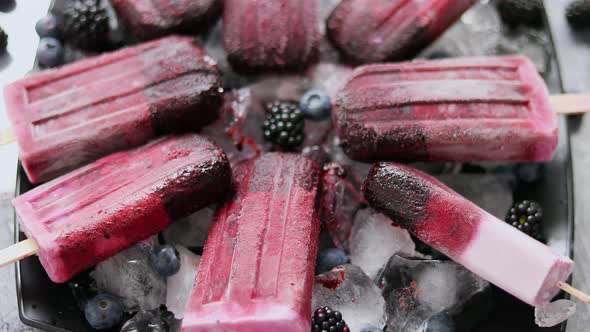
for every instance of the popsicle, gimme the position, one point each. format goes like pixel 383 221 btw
pixel 70 116
pixel 270 35
pixel 154 18
pixel 438 216
pixel 90 214
pixel 378 30
pixel 257 270
pixel 461 109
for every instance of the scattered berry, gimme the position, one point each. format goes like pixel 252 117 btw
pixel 50 52
pixel 284 124
pixel 330 258
pixel 328 320
pixel 48 26
pixel 86 23
pixel 165 260
pixel 103 311
pixel 3 40
pixel 440 322
pixel 527 216
pixel 315 104
pixel 578 14
pixel 526 12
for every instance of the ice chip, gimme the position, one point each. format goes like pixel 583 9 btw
pixel 491 192
pixel 349 290
pixel 374 239
pixel 415 290
pixel 190 231
pixel 129 276
pixel 554 313
pixel 180 285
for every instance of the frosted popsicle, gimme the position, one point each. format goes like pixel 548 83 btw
pixel 257 270
pixel 462 109
pixel 378 30
pixel 270 35
pixel 448 222
pixel 70 116
pixel 154 18
pixel 88 215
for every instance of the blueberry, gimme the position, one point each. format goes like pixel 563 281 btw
pixel 48 26
pixel 316 104
pixel 371 328
pixel 330 258
pixel 50 52
pixel 103 311
pixel 165 260
pixel 440 322
pixel 439 54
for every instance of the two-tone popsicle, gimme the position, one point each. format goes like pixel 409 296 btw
pixel 489 247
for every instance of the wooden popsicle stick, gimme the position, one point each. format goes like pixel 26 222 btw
pixel 571 103
pixel 574 292
pixel 6 136
pixel 18 251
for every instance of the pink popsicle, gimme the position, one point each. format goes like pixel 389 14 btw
pixel 256 273
pixel 462 109
pixel 378 30
pixel 88 215
pixel 70 116
pixel 489 247
pixel 270 35
pixel 153 18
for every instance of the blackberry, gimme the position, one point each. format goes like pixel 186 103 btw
pixel 578 14
pixel 327 320
pixel 527 216
pixel 86 23
pixel 283 124
pixel 526 12
pixel 3 40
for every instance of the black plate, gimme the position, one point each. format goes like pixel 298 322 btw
pixel 52 307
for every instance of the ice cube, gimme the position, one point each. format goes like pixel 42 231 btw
pixel 179 285
pixel 129 276
pixel 374 239
pixel 349 290
pixel 554 313
pixel 190 231
pixel 491 192
pixel 341 198
pixel 416 289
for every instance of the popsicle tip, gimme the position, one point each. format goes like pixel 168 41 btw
pixel 18 251
pixel 574 291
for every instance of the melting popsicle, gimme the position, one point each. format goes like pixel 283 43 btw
pixel 88 215
pixel 270 35
pixel 462 109
pixel 154 18
pixel 379 30
pixel 489 247
pixel 257 270
pixel 68 117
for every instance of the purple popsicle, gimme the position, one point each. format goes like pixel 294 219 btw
pixel 68 117
pixel 462 109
